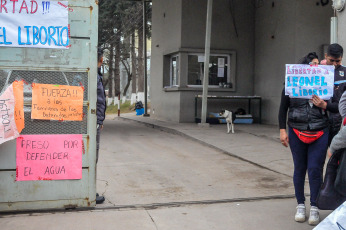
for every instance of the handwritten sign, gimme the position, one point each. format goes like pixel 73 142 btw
pixel 335 221
pixel 8 128
pixel 49 157
pixel 34 23
pixel 19 105
pixel 303 81
pixel 57 102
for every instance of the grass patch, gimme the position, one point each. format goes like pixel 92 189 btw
pixel 124 108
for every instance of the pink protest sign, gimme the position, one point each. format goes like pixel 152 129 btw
pixel 49 157
pixel 8 128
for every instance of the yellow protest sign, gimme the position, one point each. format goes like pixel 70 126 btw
pixel 57 102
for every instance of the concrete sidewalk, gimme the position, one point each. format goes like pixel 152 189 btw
pixel 158 181
pixel 255 143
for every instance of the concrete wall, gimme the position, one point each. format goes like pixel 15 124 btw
pixel 285 32
pixel 166 36
pixel 223 34
pixel 270 35
pixel 190 18
pixel 342 31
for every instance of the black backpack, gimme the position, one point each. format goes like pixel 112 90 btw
pixel 139 105
pixel 329 198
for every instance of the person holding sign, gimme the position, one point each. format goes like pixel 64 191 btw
pixel 308 140
pixel 101 111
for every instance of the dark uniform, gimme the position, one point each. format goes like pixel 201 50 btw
pixel 339 87
pixel 101 110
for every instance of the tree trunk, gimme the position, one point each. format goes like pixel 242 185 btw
pixel 133 63
pixel 140 58
pixel 117 64
pixel 129 78
pixel 110 72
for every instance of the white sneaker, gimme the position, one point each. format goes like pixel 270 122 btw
pixel 314 217
pixel 300 214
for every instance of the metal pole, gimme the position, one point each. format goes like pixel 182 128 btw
pixel 119 105
pixel 206 63
pixel 145 59
pixel 333 30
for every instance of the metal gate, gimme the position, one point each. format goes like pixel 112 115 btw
pixel 76 65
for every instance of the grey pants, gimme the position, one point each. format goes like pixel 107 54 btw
pixel 98 142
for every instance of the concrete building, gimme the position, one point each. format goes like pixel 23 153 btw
pixel 251 41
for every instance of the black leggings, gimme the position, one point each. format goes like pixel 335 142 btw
pixel 310 157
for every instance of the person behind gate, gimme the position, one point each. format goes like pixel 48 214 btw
pixel 100 111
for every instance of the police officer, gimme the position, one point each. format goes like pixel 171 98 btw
pixel 334 57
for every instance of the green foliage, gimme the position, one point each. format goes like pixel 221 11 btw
pixel 120 16
pixel 118 20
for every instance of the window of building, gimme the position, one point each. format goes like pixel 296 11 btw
pixel 174 73
pixel 219 70
pixel 183 70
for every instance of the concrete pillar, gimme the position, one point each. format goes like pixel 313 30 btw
pixel 341 29
pixel 206 62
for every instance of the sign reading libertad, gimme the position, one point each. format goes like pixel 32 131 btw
pixel 34 23
pixel 304 81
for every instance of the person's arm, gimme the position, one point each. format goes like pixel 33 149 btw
pixel 284 105
pixel 332 106
pixel 333 103
pixel 338 141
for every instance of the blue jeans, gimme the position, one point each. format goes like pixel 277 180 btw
pixel 310 157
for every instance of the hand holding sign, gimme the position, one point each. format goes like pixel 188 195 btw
pixel 317 101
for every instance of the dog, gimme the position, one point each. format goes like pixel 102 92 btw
pixel 230 117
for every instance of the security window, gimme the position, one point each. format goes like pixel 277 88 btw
pixel 174 73
pixel 219 71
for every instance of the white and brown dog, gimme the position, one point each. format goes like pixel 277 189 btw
pixel 230 117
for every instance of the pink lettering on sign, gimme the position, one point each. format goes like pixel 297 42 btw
pixel 23 6
pixel 49 157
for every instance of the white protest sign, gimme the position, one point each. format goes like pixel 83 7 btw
pixel 8 128
pixel 34 23
pixel 335 221
pixel 303 81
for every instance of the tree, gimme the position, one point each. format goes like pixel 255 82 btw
pixel 118 22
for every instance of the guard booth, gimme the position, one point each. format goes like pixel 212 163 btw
pixel 72 65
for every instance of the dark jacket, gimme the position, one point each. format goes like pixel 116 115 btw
pixel 302 116
pixel 101 100
pixel 340 86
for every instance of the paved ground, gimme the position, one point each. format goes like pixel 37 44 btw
pixel 258 144
pixel 266 215
pixel 182 176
